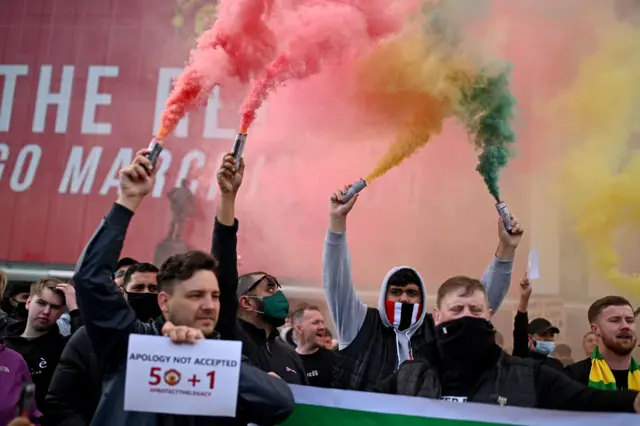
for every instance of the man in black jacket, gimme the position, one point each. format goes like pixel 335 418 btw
pixel 613 322
pixel 256 297
pixel 38 339
pixel 469 366
pixel 373 343
pixel 76 386
pixel 263 308
pixel 535 339
pixel 189 297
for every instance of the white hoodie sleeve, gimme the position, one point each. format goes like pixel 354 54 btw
pixel 347 311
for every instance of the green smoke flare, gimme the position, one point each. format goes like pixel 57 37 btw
pixel 488 109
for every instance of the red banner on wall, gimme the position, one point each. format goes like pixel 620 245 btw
pixel 82 85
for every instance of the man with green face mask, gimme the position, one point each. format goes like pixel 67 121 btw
pixel 263 308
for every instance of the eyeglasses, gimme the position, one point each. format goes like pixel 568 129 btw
pixel 119 274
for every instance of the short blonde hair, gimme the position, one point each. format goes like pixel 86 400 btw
pixel 50 283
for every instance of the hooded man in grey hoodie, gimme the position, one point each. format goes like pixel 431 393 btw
pixel 374 342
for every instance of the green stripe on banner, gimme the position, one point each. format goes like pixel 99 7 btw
pixel 334 407
pixel 314 415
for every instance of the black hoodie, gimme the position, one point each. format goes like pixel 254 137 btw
pixel 42 353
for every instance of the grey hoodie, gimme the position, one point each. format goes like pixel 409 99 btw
pixel 403 338
pixel 348 312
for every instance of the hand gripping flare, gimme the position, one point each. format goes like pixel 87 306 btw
pixel 238 146
pixel 155 148
pixel 358 186
pixel 501 206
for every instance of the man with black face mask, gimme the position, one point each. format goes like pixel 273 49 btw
pixel 469 366
pixel 372 342
pixel 141 289
pixel 75 389
pixel 14 302
pixel 264 308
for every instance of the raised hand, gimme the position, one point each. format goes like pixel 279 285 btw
pixel 338 210
pixel 137 180
pixel 69 295
pixel 336 207
pixel 229 176
pixel 525 287
pixel 510 240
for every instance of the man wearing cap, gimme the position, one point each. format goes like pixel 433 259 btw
pixel 535 339
pixel 263 308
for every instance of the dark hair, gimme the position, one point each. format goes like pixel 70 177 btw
pixel 181 267
pixel 600 305
pixel 328 332
pixel 298 314
pixel 125 262
pixel 138 267
pixel 403 277
pixel 469 285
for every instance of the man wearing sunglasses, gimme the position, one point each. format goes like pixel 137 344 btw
pixel 263 308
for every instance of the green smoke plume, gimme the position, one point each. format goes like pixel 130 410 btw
pixel 488 109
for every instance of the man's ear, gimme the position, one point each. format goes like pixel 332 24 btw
pixel 490 314
pixel 28 303
pixel 436 316
pixel 244 303
pixel 163 302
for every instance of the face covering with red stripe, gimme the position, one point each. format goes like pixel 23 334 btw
pixel 402 315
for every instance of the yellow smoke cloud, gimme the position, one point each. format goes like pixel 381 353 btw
pixel 601 181
pixel 415 84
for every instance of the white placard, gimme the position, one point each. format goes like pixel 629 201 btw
pixel 534 268
pixel 199 379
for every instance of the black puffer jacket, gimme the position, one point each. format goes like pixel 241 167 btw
pixel 75 388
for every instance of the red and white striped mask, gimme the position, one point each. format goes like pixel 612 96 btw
pixel 402 315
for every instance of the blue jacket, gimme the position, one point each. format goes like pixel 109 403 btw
pixel 109 321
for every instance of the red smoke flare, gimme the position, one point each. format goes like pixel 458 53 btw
pixel 321 32
pixel 237 46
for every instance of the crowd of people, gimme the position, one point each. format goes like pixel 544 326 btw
pixel 63 347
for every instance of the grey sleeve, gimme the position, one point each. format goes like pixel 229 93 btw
pixel 347 311
pixel 262 399
pixel 496 279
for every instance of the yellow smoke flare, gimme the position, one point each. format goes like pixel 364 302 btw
pixel 414 82
pixel 601 182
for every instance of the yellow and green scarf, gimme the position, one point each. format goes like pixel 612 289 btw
pixel 601 376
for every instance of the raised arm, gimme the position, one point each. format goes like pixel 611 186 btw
pixel 105 313
pixel 347 311
pixel 521 321
pixel 497 276
pixel 224 245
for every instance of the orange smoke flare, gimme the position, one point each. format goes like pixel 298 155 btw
pixel 416 84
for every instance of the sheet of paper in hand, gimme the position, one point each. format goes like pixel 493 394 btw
pixel 200 379
pixel 534 266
